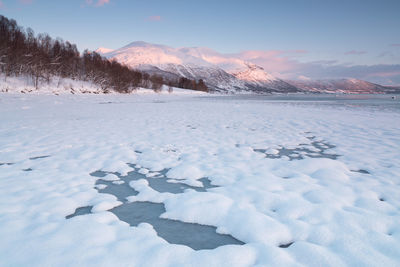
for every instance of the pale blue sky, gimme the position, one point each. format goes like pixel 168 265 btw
pixel 348 33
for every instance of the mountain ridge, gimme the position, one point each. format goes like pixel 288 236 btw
pixel 345 85
pixel 226 73
pixel 220 72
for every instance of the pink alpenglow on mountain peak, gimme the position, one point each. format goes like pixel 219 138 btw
pixel 218 70
pixel 103 50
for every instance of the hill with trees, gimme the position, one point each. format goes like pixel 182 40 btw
pixel 41 58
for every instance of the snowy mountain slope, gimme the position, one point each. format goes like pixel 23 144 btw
pixel 254 76
pixel 352 86
pixel 174 63
pixel 257 79
pixel 219 71
pixel 214 77
pixel 140 53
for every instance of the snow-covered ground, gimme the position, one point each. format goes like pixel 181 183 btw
pixel 309 211
pixel 62 86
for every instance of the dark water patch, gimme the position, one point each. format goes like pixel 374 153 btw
pixel 98 174
pixel 361 171
pixel 80 211
pixel 121 191
pixel 27 170
pixel 39 157
pixel 303 150
pixel 207 183
pixel 193 235
pixel 160 183
pixel 286 245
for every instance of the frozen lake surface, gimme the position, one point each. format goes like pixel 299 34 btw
pixel 193 235
pixel 376 102
pixel 161 180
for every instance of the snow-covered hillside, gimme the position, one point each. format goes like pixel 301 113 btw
pixel 55 86
pixel 62 86
pixel 219 71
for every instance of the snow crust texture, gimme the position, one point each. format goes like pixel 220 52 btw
pixel 272 189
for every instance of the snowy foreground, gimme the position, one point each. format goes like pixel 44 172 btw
pixel 334 201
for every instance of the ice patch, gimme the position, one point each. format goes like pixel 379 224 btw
pixel 316 149
pixel 136 213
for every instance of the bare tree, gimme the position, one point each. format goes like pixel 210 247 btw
pixel 40 58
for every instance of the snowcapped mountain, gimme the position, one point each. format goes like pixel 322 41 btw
pixel 103 50
pixel 219 71
pixel 224 72
pixel 348 86
pixel 256 78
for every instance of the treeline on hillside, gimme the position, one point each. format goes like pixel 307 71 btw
pixel 41 58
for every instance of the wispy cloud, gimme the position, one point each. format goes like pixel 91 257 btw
pixel 97 3
pixel 286 66
pixel 355 52
pixel 397 45
pixel 154 18
pixel 102 2
pixel 276 62
pixel 1 4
